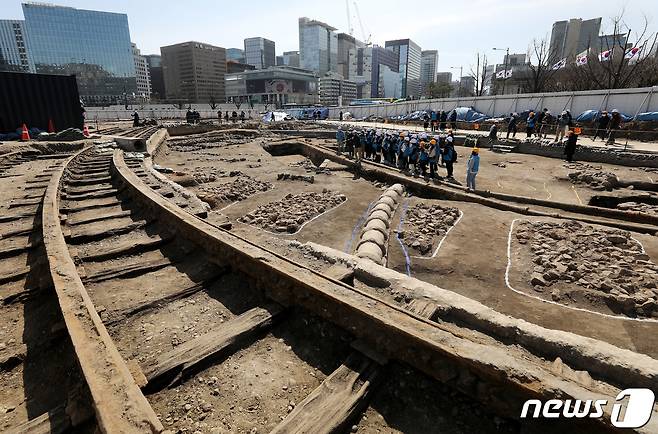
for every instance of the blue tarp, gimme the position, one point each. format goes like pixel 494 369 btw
pixel 468 114
pixel 591 115
pixel 647 116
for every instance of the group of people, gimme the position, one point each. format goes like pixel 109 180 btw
pixel 608 126
pixel 415 153
pixel 539 125
pixel 439 120
pixel 233 117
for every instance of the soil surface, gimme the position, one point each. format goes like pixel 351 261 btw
pixel 581 265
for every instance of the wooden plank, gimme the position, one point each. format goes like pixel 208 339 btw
pixel 127 271
pixel 93 233
pixel 109 216
pixel 14 275
pixel 170 366
pixel 425 308
pixel 127 247
pixel 116 316
pixel 333 405
pixel 56 421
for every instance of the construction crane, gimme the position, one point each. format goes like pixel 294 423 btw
pixel 350 27
pixel 363 32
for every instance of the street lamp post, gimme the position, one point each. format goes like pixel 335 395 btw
pixel 506 59
pixel 459 92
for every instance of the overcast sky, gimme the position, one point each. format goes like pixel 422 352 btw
pixel 457 29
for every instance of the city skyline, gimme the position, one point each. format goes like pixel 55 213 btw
pixel 381 19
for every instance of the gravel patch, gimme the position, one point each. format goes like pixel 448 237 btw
pixel 291 212
pixel 425 225
pixel 578 263
pixel 242 187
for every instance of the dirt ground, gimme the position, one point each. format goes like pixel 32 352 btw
pixel 472 259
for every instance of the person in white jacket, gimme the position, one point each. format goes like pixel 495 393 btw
pixel 472 168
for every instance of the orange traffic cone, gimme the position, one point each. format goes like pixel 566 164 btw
pixel 85 131
pixel 25 134
pixel 51 126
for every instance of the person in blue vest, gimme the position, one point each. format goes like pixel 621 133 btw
pixel 367 144
pixel 434 119
pixel 433 155
pixel 449 155
pixel 530 124
pixel 442 120
pixel 394 147
pixel 472 168
pixel 403 153
pixel 414 154
pixel 423 158
pixel 340 140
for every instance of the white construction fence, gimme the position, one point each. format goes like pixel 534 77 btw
pixel 628 101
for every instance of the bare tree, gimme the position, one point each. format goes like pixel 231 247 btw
pixel 540 67
pixel 480 73
pixel 212 101
pixel 614 70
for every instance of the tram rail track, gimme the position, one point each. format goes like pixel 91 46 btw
pixel 121 256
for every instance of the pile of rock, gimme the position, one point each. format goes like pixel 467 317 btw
pixel 593 177
pixel 374 236
pixel 291 212
pixel 308 166
pixel 638 207
pixel 239 189
pixel 292 177
pixel 203 177
pixel 589 265
pixel 425 225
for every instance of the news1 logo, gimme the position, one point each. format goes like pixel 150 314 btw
pixel 637 414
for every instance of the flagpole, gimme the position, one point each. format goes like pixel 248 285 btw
pixel 506 60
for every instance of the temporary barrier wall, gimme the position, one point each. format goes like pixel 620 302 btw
pixel 629 101
pixel 37 99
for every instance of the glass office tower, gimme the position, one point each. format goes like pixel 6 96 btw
pixel 409 61
pixel 259 52
pixel 94 46
pixel 13 53
pixel 318 46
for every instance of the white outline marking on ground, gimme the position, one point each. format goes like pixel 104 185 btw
pixel 301 227
pixel 461 214
pixel 509 265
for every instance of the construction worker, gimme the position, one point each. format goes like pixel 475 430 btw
pixel 340 139
pixel 472 168
pixel 570 145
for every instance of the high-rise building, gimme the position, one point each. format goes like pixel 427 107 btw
pixel 154 65
pixel 336 90
pixel 288 58
pixel 318 46
pixel 409 60
pixel 142 75
pixel 236 54
pixel 345 44
pixel 371 68
pixel 428 61
pixel 259 52
pixel 444 77
pixel 93 45
pixel 194 72
pixel 13 51
pixel 467 85
pixel 570 38
pixel 609 42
